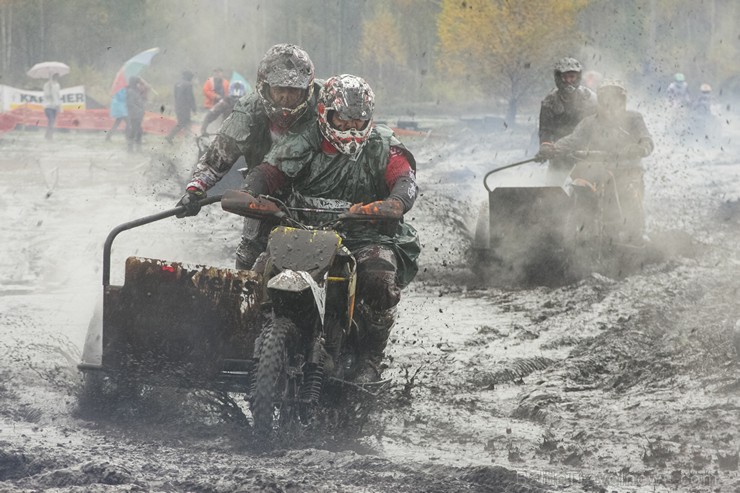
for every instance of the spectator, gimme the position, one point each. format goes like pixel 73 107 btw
pixel 184 104
pixel 52 103
pixel 117 111
pixel 224 107
pixel 215 89
pixel 136 94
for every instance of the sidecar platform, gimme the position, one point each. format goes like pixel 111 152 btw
pixel 518 235
pixel 178 324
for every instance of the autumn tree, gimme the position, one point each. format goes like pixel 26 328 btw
pixel 382 49
pixel 504 46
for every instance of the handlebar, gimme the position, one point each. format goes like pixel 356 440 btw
pixel 503 168
pixel 141 222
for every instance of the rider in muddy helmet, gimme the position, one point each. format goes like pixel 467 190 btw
pixel 566 105
pixel 285 83
pixel 678 91
pixel 703 104
pixel 345 107
pixel 567 74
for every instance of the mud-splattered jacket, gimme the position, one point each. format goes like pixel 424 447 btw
pixel 245 132
pixel 316 178
pixel 626 138
pixel 559 116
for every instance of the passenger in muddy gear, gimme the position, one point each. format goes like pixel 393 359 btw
pixel 284 103
pixel 565 106
pixel 344 159
pixel 621 134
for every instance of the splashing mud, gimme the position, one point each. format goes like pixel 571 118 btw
pixel 602 384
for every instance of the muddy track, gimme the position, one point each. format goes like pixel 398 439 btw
pixel 602 385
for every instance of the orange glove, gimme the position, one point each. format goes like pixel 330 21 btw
pixel 390 208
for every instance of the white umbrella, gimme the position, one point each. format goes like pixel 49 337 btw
pixel 44 70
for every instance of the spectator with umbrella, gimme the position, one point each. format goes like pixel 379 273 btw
pixel 52 90
pixel 117 111
pixel 52 103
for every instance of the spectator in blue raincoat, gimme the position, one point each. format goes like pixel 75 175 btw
pixel 117 111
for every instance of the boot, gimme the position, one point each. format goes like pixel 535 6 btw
pixel 376 327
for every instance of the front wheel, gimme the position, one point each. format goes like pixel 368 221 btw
pixel 271 381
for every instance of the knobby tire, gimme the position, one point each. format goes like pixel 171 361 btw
pixel 271 374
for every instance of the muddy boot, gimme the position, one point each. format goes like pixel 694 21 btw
pixel 254 242
pixel 376 327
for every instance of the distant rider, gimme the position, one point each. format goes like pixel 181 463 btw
pixel 566 105
pixel 621 134
pixel 284 102
pixel 342 158
pixel 678 92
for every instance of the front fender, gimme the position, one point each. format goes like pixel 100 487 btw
pixel 297 281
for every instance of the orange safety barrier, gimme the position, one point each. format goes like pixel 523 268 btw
pixel 81 120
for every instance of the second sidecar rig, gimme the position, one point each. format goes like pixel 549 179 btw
pixel 549 226
pixel 174 324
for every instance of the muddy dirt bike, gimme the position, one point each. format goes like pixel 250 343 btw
pixel 308 348
pixel 286 339
pixel 549 225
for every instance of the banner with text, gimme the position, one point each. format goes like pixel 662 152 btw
pixel 73 98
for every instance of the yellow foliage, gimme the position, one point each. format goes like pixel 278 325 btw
pixel 381 41
pixel 503 44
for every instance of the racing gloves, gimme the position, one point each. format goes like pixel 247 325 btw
pixel 191 202
pixel 389 208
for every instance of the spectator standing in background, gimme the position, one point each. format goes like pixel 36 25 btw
pixel 136 94
pixel 184 104
pixel 52 103
pixel 117 111
pixel 215 89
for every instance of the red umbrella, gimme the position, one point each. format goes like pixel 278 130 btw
pixel 132 67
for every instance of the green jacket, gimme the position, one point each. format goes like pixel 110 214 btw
pixel 246 132
pixel 318 179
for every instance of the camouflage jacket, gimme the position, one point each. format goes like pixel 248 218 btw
pixel 319 179
pixel 558 116
pixel 245 132
pixel 625 138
